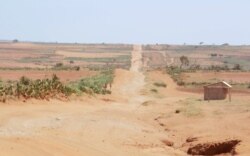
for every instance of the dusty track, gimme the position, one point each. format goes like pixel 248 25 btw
pixel 88 127
pixel 132 121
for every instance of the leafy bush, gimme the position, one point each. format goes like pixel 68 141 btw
pixel 175 73
pixel 214 55
pixel 58 65
pixel 53 88
pixel 181 83
pixel 184 61
pixel 39 89
pixel 237 67
pixel 218 68
pixel 77 68
pixel 97 84
pixel 154 90
pixel 160 84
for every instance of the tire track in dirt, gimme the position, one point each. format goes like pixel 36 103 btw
pixel 129 84
pixel 89 127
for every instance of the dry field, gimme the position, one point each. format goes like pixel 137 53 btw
pixel 45 55
pixel 201 55
pixel 212 77
pixel 139 118
pixel 64 76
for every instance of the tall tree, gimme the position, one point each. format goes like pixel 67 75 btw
pixel 184 61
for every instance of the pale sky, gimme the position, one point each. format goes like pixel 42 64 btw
pixel 126 21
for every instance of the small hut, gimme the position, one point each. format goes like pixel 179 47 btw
pixel 217 91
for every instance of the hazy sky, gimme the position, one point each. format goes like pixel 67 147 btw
pixel 127 21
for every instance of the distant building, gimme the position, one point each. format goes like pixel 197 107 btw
pixel 217 91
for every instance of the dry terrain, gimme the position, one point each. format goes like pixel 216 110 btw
pixel 46 55
pixel 12 75
pixel 204 55
pixel 138 118
pixel 212 77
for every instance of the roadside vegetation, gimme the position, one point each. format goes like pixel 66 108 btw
pixel 177 72
pixel 95 85
pixel 160 84
pixel 26 88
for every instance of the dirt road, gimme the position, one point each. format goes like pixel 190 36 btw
pixel 88 127
pixel 132 121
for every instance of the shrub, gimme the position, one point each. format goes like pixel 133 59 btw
pixel 39 89
pixel 175 73
pixel 58 65
pixel 15 41
pixel 218 68
pixel 214 55
pixel 160 84
pixel 97 84
pixel 180 83
pixel 77 68
pixel 53 87
pixel 237 67
pixel 154 90
pixel 184 61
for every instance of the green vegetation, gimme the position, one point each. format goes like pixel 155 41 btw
pixel 54 88
pixel 43 59
pixel 217 68
pixel 154 90
pixel 61 66
pixel 95 85
pixel 214 55
pixel 184 61
pixel 160 84
pixel 237 67
pixel 39 89
pixel 121 58
pixel 175 73
pixel 231 61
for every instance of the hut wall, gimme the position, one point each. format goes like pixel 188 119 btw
pixel 215 93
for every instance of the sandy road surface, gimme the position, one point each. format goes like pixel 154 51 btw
pixel 85 127
pixel 131 121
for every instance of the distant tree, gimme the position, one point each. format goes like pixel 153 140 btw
pixel 58 65
pixel 71 62
pixel 237 67
pixel 201 43
pixel 184 61
pixel 15 41
pixel 225 44
pixel 77 68
pixel 213 55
